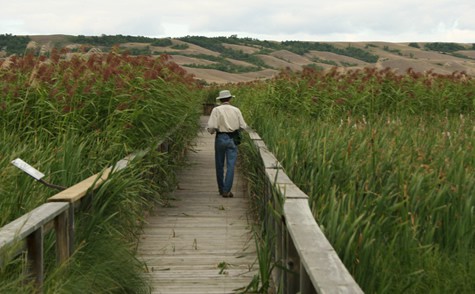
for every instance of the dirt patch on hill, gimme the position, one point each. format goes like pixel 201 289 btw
pixel 219 77
pixel 183 60
pixel 135 45
pixel 244 49
pixel 240 63
pixel 187 60
pixel 191 49
pixel 459 66
pixel 468 53
pixel 339 59
pixel 278 63
pixel 401 66
pixel 291 57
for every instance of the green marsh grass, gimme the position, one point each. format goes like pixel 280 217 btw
pixel 265 209
pixel 388 164
pixel 71 116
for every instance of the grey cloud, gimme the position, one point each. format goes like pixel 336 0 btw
pixel 347 19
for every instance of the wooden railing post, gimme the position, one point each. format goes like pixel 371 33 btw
pixel 34 245
pixel 293 267
pixel 164 146
pixel 61 224
pixel 278 250
pixel 71 228
pixel 306 286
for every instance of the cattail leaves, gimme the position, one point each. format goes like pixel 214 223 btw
pixel 71 116
pixel 388 162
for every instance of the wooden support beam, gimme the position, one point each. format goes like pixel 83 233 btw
pixel 306 286
pixel 61 224
pixel 35 248
pixel 293 267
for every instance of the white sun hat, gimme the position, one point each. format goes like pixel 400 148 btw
pixel 224 94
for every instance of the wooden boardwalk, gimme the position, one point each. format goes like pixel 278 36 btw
pixel 201 242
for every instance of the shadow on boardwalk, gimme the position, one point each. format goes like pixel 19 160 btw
pixel 201 242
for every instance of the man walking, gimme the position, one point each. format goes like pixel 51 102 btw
pixel 225 120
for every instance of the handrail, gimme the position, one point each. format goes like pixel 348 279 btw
pixel 312 265
pixel 79 190
pixel 30 229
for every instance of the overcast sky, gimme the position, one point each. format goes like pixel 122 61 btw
pixel 304 20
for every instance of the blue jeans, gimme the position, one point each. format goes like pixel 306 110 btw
pixel 225 150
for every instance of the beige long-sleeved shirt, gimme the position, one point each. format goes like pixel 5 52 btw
pixel 225 118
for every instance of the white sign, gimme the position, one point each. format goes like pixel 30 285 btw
pixel 28 169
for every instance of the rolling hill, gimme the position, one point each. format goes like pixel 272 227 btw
pixel 233 59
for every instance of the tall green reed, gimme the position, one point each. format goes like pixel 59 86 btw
pixel 71 118
pixel 389 167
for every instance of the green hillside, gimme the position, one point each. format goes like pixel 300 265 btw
pixel 236 55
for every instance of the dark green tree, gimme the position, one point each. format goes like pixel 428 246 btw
pixel 14 44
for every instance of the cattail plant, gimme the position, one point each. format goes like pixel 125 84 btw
pixel 388 163
pixel 70 116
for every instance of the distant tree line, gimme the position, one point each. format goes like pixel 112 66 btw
pixel 180 46
pixel 165 42
pixel 213 44
pixel 13 44
pixel 445 47
pixel 110 40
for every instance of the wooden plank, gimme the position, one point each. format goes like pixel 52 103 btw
pixel 291 191
pixel 123 163
pixel 284 184
pixel 277 176
pixel 76 192
pixel 253 135
pixel 268 158
pixel 238 251
pixel 23 226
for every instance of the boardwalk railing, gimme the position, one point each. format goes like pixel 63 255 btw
pixel 30 229
pixel 311 264
pixel 26 233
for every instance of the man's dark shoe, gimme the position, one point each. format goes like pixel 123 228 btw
pixel 227 195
